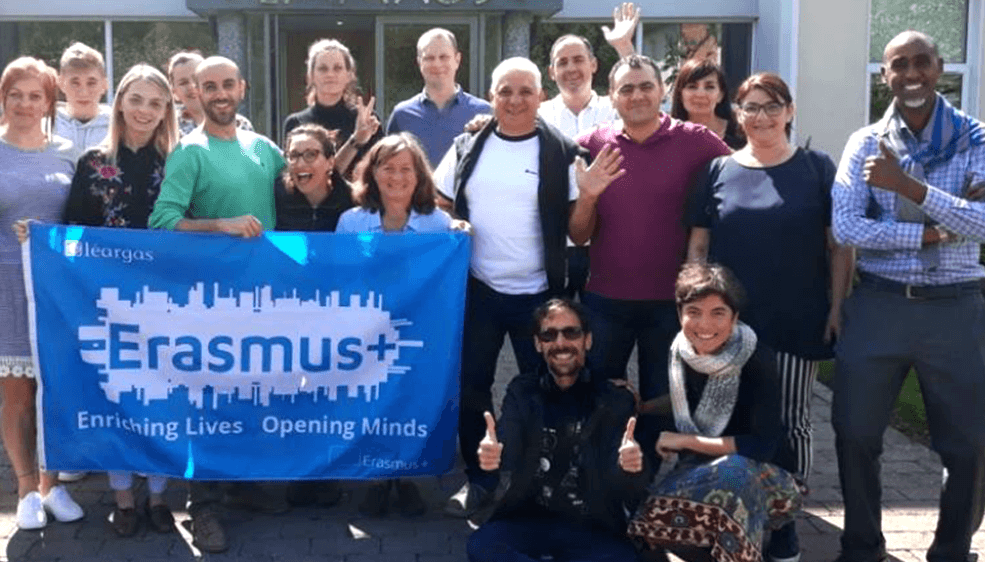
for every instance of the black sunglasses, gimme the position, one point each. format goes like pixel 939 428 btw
pixel 570 333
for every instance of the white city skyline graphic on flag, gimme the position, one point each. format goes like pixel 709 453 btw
pixel 154 336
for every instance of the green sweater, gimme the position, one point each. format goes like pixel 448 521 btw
pixel 211 178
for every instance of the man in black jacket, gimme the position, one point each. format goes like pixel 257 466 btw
pixel 568 464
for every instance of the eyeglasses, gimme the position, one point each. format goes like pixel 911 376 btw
pixel 772 109
pixel 309 156
pixel 570 333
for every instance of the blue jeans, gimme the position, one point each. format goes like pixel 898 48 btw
pixel 532 538
pixel 883 335
pixel 489 316
pixel 617 325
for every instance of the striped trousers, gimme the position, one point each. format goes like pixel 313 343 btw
pixel 797 376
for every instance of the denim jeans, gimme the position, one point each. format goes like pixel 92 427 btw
pixel 489 316
pixel 532 538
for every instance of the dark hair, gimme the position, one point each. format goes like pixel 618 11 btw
pixel 545 309
pixel 771 85
pixel 635 62
pixel 565 38
pixel 367 191
pixel 692 71
pixel 325 138
pixel 699 280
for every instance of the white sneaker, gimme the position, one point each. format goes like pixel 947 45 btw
pixel 62 506
pixel 67 476
pixel 30 512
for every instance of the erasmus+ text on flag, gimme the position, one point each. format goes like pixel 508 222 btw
pixel 287 356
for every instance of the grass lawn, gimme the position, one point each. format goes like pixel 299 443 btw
pixel 909 417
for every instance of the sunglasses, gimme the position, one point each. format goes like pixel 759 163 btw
pixel 570 333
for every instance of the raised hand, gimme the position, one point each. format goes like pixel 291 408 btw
pixel 366 121
pixel 884 170
pixel 490 449
pixel 625 18
pixel 594 179
pixel 630 454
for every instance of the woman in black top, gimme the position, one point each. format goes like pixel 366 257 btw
pixel 313 194
pixel 115 185
pixel 334 104
pixel 701 96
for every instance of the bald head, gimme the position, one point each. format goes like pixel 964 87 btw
pixel 908 37
pixel 216 62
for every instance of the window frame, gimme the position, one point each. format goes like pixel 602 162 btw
pixel 969 70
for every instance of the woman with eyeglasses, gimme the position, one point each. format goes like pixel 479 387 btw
pixel 311 197
pixel 396 192
pixel 765 212
pixel 701 96
pixel 313 194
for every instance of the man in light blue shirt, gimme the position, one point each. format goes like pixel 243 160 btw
pixel 439 113
pixel 905 197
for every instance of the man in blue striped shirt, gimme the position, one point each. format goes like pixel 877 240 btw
pixel 905 197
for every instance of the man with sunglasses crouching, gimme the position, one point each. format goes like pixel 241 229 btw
pixel 565 455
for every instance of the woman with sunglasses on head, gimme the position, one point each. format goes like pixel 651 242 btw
pixel 310 197
pixel 701 96
pixel 313 194
pixel 396 193
pixel 35 172
pixel 765 212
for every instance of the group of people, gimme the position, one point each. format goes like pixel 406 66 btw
pixel 689 219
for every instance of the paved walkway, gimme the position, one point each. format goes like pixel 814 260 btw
pixel 911 477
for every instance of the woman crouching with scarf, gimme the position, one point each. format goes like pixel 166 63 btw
pixel 721 493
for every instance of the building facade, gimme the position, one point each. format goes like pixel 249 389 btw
pixel 827 50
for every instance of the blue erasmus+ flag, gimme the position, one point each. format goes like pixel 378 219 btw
pixel 291 355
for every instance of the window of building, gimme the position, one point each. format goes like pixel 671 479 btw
pixel 668 43
pixel 951 23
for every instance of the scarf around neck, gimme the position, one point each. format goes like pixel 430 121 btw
pixel 951 132
pixel 722 389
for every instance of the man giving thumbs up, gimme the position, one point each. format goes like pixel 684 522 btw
pixel 568 463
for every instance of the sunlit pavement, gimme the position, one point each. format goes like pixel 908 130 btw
pixel 911 478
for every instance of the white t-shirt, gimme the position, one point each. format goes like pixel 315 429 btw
pixel 508 247
pixel 598 112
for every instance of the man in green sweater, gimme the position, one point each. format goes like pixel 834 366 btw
pixel 219 178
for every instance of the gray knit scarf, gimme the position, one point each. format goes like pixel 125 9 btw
pixel 722 389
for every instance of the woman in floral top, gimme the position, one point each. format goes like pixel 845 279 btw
pixel 117 182
pixel 115 185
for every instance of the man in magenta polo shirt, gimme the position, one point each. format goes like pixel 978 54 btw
pixel 636 224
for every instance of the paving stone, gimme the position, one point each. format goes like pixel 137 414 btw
pixel 430 543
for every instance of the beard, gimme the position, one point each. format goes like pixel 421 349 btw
pixel 220 117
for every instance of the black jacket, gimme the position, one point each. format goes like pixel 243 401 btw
pixel 557 153
pixel 604 486
pixel 295 213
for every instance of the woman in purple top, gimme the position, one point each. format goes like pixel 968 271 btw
pixel 35 172
pixel 396 192
pixel 765 212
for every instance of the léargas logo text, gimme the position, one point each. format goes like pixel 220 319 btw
pixel 80 249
